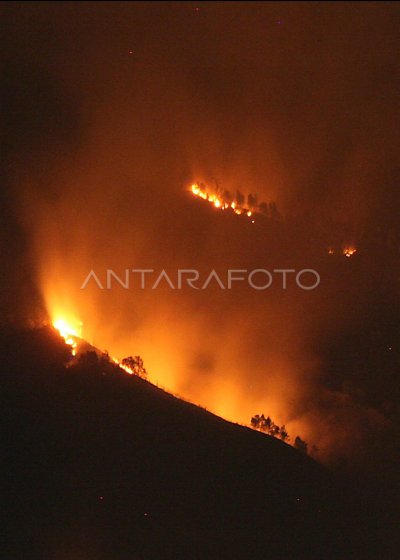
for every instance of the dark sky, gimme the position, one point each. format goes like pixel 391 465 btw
pixel 112 109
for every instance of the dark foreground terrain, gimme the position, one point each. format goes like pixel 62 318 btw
pixel 103 466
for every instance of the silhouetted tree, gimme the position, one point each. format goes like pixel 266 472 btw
pixel 218 188
pixel 301 445
pixel 283 434
pixel 267 425
pixel 274 212
pixel 252 200
pixel 227 197
pixel 239 198
pixel 255 422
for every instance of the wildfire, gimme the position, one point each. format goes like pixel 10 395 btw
pixel 240 204
pixel 346 251
pixel 127 369
pixel 213 198
pixel 218 201
pixel 349 251
pixel 69 332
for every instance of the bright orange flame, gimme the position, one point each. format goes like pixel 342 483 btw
pixel 349 251
pixel 69 332
pixel 66 329
pixel 218 201
pixel 122 366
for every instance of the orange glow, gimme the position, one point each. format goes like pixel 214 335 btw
pixel 173 345
pixel 72 330
pixel 69 331
pixel 125 368
pixel 349 251
pixel 218 201
pixel 66 328
pixel 223 400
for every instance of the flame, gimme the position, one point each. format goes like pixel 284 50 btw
pixel 196 190
pixel 218 202
pixel 122 366
pixel 223 201
pixel 125 368
pixel 346 251
pixel 69 331
pixel 349 251
pixel 66 329
pixel 72 330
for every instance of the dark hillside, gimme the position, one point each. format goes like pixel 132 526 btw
pixel 103 465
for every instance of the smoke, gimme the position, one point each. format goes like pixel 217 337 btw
pixel 114 110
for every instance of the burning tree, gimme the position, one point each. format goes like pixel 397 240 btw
pixel 135 365
pixel 237 202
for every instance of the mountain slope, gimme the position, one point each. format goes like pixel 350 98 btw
pixel 102 465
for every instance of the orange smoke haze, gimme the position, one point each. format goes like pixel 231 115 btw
pixel 101 182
